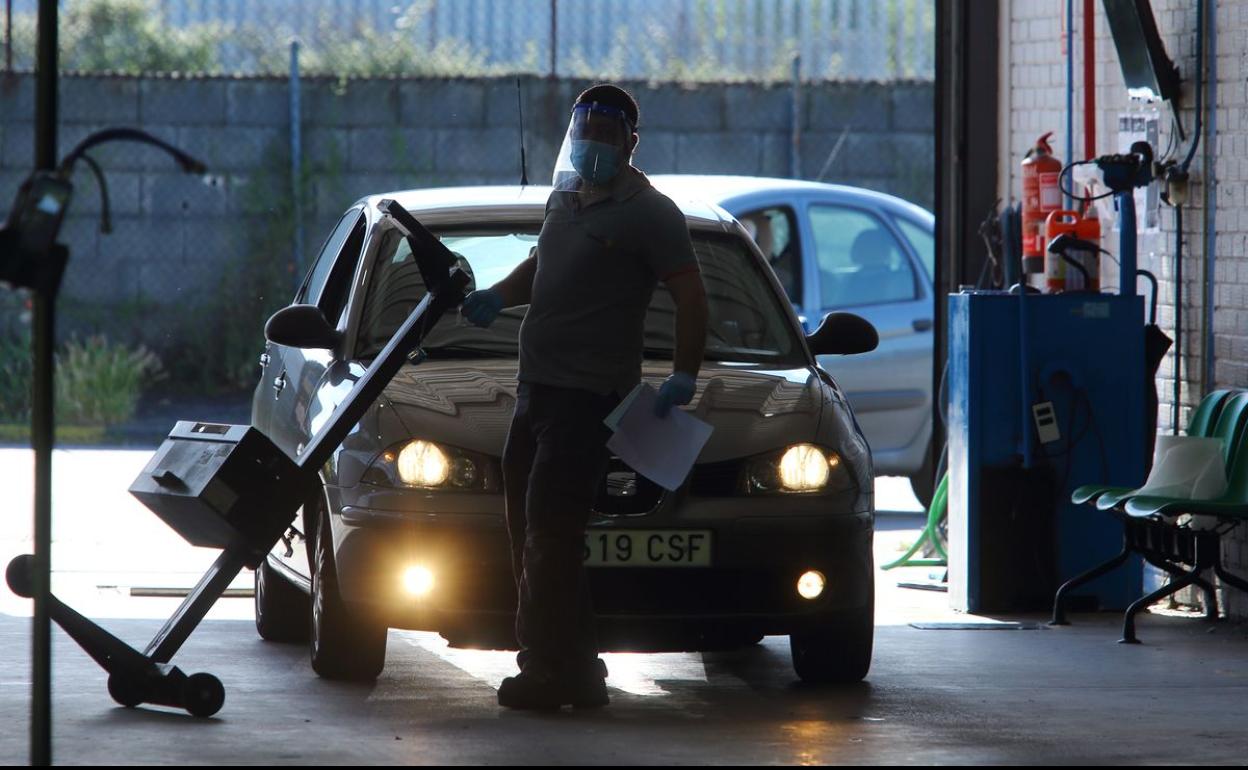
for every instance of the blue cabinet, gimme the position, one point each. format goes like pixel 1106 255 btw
pixel 1013 531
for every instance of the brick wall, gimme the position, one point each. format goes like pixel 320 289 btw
pixel 174 233
pixel 1033 102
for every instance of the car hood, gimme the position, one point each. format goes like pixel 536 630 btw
pixel 469 404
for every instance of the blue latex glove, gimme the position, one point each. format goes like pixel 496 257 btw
pixel 677 390
pixel 481 307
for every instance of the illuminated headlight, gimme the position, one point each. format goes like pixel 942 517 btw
pixel 423 464
pixel 418 581
pixel 797 469
pixel 811 584
pixel 426 465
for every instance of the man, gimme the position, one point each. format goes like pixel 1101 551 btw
pixel 607 239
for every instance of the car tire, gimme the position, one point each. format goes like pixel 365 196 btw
pixel 282 609
pixel 344 645
pixel 838 649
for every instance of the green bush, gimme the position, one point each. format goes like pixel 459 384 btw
pixel 99 382
pixel 122 36
pixel 16 375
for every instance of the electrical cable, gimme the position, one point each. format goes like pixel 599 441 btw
pixel 1152 305
pixel 1200 77
pixel 1066 190
pixel 106 222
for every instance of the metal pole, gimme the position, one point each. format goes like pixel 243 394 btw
pixel 795 136
pixel 1068 201
pixel 1210 189
pixel 1089 81
pixel 296 162
pixel 42 428
pixel 554 38
pixel 8 35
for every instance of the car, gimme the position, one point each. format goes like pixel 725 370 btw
pixel 771 533
pixel 836 247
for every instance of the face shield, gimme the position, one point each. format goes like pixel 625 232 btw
pixel 594 149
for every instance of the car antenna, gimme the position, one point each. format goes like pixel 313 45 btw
pixel 524 166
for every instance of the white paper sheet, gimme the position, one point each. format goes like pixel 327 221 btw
pixel 1190 467
pixel 663 449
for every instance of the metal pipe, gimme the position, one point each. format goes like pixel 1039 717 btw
pixel 1176 407
pixel 554 38
pixel 1089 81
pixel 42 426
pixel 795 135
pixel 1209 352
pixel 1068 202
pixel 296 162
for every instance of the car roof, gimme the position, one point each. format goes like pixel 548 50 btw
pixel 725 189
pixel 512 203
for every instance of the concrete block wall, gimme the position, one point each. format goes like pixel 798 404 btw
pixel 173 234
pixel 1033 100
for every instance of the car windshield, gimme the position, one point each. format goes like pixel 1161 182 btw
pixel 747 321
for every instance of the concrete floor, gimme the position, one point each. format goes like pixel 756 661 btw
pixel 1065 696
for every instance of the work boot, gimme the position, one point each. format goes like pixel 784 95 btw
pixel 586 690
pixel 537 688
pixel 533 688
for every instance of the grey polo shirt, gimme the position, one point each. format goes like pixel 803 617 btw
pixel 597 267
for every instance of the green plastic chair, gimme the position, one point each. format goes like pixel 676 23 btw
pixel 1197 546
pixel 1203 419
pixel 1228 427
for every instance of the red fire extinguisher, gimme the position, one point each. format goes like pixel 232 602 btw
pixel 1041 196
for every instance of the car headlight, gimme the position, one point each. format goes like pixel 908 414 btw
pixel 798 469
pixel 424 464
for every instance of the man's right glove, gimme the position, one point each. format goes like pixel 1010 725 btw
pixel 481 307
pixel 676 390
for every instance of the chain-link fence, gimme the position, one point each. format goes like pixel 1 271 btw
pixel 190 267
pixel 696 40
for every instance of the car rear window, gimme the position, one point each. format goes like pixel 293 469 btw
pixel 748 318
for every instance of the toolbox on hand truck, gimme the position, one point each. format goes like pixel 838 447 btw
pixel 230 487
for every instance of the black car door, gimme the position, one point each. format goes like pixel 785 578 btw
pixel 298 370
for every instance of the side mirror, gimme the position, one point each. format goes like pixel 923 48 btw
pixel 301 326
pixel 843 334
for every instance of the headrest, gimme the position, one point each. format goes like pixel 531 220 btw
pixel 872 248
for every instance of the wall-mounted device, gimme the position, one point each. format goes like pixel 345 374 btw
pixel 1148 72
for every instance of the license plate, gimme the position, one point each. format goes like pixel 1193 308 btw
pixel 648 548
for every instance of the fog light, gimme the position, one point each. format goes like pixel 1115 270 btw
pixel 418 581
pixel 810 585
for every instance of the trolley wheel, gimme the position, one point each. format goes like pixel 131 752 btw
pixel 20 575
pixel 127 691
pixel 202 695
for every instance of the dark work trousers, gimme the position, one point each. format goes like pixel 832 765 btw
pixel 553 465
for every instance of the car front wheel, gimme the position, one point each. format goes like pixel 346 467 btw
pixel 281 608
pixel 345 645
pixel 838 649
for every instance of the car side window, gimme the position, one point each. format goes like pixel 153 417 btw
pixel 310 292
pixel 333 298
pixel 860 261
pixel 775 231
pixel 922 240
